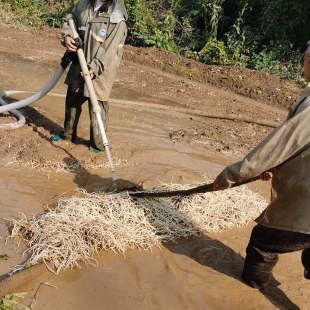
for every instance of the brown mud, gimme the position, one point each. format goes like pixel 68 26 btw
pixel 149 146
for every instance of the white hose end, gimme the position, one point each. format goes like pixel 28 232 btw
pixel 114 176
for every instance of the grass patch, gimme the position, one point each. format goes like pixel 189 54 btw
pixel 4 256
pixel 34 13
pixel 7 16
pixel 12 301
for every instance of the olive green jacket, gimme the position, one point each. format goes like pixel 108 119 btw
pixel 103 45
pixel 287 150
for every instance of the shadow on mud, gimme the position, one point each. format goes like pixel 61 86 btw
pixel 218 256
pixel 213 253
pixel 94 183
pixel 83 178
pixel 206 251
pixel 38 120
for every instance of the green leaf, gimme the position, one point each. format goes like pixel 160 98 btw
pixel 4 256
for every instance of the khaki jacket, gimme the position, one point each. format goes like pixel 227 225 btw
pixel 287 150
pixel 103 45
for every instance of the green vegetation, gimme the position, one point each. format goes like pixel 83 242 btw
pixel 4 256
pixel 265 35
pixel 37 13
pixel 12 302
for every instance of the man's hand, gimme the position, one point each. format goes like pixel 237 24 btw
pixel 91 74
pixel 266 176
pixel 220 183
pixel 70 44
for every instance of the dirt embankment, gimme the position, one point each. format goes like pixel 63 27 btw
pixel 258 85
pixel 159 76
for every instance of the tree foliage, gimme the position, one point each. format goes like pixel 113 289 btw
pixel 259 34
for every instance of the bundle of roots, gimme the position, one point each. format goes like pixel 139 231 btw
pixel 79 227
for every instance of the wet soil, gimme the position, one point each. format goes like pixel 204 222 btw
pixel 150 143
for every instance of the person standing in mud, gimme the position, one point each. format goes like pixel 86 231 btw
pixel 285 225
pixel 101 25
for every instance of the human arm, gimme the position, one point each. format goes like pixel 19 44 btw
pixel 221 183
pixel 66 32
pixel 283 143
pixel 69 43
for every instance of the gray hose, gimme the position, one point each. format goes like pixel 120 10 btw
pixel 33 98
pixel 21 119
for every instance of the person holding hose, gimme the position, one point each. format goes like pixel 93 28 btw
pixel 101 25
pixel 284 226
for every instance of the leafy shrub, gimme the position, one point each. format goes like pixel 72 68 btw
pixel 267 35
pixel 214 53
pixel 146 28
pixel 38 13
pixel 12 301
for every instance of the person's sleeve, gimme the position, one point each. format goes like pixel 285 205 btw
pixel 284 142
pixel 66 30
pixel 115 41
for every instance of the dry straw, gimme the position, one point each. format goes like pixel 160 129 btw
pixel 43 164
pixel 79 227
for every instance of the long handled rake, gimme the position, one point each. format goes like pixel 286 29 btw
pixel 199 189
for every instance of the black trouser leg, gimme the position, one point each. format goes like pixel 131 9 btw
pixel 95 134
pixel 73 109
pixel 305 259
pixel 262 253
pixel 258 265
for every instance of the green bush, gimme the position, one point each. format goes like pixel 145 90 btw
pixel 38 13
pixel 266 35
pixel 12 302
pixel 146 28
pixel 214 53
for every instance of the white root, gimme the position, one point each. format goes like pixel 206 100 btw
pixel 81 226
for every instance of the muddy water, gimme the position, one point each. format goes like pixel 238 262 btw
pixel 193 274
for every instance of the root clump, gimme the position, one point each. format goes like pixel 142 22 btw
pixel 81 226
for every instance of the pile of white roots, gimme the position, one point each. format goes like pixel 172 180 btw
pixel 81 226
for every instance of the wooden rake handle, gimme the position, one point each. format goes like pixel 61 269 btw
pixel 199 189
